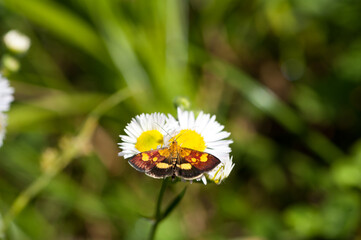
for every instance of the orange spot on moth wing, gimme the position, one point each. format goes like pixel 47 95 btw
pixel 204 157
pixel 145 157
pixel 164 152
pixel 185 152
pixel 145 161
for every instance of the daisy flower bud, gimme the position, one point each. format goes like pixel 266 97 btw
pixel 182 102
pixel 17 41
pixel 10 63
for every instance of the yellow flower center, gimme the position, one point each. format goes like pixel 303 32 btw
pixel 149 140
pixel 190 139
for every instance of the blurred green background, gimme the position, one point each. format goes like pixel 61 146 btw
pixel 283 76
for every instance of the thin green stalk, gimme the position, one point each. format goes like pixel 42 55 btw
pixel 153 230
pixel 158 208
pixel 159 215
pixel 23 199
pixel 67 154
pixel 160 198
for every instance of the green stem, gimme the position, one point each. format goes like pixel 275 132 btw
pixel 67 155
pixel 160 198
pixel 159 215
pixel 152 231
pixel 157 209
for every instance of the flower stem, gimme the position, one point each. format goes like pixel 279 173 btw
pixel 157 208
pixel 152 231
pixel 159 215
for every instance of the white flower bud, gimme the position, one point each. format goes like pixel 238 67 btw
pixel 16 41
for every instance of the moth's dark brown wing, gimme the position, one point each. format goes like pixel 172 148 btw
pixel 187 171
pixel 154 163
pixel 203 161
pixel 192 164
pixel 145 161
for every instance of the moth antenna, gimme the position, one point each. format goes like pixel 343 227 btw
pixel 179 136
pixel 166 132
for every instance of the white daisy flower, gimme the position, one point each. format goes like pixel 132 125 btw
pixel 2 127
pixel 146 132
pixel 6 94
pixel 203 133
pixel 17 41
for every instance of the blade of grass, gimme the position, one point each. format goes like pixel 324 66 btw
pixel 57 19
pixel 122 53
pixel 53 105
pixel 268 103
pixel 261 97
pixel 176 49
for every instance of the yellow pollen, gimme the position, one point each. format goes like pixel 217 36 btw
pixel 155 159
pixel 204 157
pixel 149 140
pixel 145 157
pixel 190 139
pixel 194 160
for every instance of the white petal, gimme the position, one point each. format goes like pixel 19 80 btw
pixel 6 94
